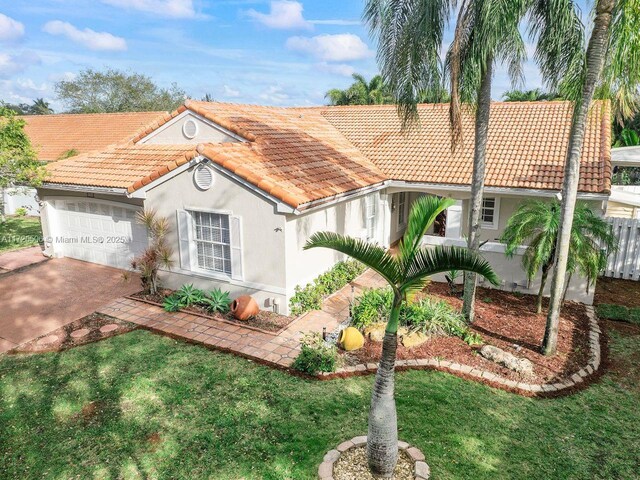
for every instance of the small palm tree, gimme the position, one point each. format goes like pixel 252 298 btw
pixel 406 272
pixel 534 95
pixel 536 223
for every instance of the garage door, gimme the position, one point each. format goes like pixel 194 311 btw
pixel 98 232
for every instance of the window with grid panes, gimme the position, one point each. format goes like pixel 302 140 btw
pixel 213 241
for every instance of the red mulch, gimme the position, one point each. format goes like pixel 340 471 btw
pixel 616 291
pixel 269 321
pixel 508 321
pixel 65 341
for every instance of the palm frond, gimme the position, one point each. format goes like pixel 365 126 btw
pixel 429 261
pixel 373 256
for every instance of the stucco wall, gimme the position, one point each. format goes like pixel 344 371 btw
pixel 172 133
pixel 346 218
pixel 263 242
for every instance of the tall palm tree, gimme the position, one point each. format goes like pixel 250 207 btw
pixel 613 48
pixel 406 272
pixel 487 32
pixel 360 92
pixel 41 107
pixel 534 95
pixel 535 223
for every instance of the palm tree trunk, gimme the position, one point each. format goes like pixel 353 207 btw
pixel 595 58
pixel 382 438
pixel 477 183
pixel 543 282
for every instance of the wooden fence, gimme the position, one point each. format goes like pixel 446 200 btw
pixel 625 262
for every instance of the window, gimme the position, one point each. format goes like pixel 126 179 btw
pixel 213 241
pixel 370 216
pixel 402 209
pixel 489 213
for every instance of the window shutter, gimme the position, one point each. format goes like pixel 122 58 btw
pixel 184 239
pixel 236 248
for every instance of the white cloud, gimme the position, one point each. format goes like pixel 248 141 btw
pixel 337 68
pixel 12 64
pixel 342 47
pixel 164 8
pixel 23 90
pixel 230 92
pixel 284 14
pixel 336 21
pixel 10 29
pixel 87 37
pixel 274 95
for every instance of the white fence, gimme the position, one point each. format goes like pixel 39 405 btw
pixel 625 262
pixel 15 198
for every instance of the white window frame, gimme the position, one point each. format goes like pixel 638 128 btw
pixel 194 243
pixel 370 203
pixel 402 210
pixel 496 214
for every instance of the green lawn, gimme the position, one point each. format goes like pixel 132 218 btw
pixel 166 409
pixel 19 232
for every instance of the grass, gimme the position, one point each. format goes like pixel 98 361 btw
pixel 619 312
pixel 145 406
pixel 19 232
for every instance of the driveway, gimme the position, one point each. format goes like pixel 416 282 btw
pixel 51 294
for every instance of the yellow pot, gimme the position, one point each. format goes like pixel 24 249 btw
pixel 351 339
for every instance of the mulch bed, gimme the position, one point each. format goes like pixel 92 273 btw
pixel 352 465
pixel 509 322
pixel 90 325
pixel 268 321
pixel 616 291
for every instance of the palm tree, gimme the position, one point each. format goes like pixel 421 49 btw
pixel 41 107
pixel 360 92
pixel 613 48
pixel 410 37
pixel 535 223
pixel 534 95
pixel 406 272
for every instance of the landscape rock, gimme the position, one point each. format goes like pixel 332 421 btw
pixel 375 332
pixel 506 359
pixel 413 339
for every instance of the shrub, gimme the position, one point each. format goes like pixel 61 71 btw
pixel 172 303
pixel 157 255
pixel 189 295
pixel 310 297
pixel 372 306
pixel 315 356
pixel 216 301
pixel 427 315
pixel 21 212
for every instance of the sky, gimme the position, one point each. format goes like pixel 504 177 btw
pixel 279 52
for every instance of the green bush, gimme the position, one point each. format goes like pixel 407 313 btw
pixel 21 212
pixel 190 295
pixel 427 315
pixel 310 297
pixel 618 312
pixel 315 356
pixel 216 301
pixel 172 303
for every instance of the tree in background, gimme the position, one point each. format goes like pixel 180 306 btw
pixel 360 92
pixel 536 223
pixel 113 90
pixel 610 64
pixel 534 95
pixel 18 161
pixel 39 107
pixel 406 272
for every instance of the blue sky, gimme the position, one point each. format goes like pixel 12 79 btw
pixel 266 52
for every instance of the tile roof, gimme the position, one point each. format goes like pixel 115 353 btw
pixel 127 166
pixel 526 147
pixel 54 135
pixel 300 155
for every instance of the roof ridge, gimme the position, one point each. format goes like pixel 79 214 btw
pixel 97 114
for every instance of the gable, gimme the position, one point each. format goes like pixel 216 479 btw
pixel 191 129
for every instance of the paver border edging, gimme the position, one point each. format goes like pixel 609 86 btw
pixel 325 470
pixel 577 379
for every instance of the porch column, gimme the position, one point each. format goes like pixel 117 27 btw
pixel 454 221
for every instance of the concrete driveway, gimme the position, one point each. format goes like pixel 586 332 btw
pixel 51 294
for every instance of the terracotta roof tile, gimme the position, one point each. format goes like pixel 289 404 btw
pixel 54 135
pixel 526 147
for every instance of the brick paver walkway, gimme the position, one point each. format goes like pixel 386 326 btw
pixel 275 349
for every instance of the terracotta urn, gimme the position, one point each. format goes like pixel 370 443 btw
pixel 244 307
pixel 351 339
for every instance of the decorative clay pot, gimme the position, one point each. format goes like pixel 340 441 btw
pixel 351 339
pixel 244 307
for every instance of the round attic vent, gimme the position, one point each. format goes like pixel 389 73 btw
pixel 203 177
pixel 190 128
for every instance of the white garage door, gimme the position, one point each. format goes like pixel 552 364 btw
pixel 98 232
